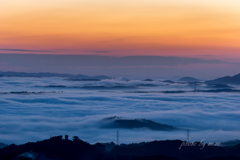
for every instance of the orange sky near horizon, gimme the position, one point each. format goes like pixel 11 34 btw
pixel 120 27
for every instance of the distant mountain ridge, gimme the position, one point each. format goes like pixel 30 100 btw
pixel 48 74
pixel 226 80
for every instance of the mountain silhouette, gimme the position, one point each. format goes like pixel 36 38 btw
pixel 75 79
pixel 231 142
pixel 226 80
pixel 47 74
pixel 148 80
pixel 53 148
pixel 2 145
pixel 59 148
pixel 168 81
pixel 170 148
pixel 117 122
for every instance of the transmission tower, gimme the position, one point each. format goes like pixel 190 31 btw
pixel 187 134
pixel 117 137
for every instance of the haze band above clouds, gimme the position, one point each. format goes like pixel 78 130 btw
pixel 127 66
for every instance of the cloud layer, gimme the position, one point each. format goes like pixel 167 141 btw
pixel 77 111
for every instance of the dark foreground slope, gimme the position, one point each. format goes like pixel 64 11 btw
pixel 53 148
pixel 57 148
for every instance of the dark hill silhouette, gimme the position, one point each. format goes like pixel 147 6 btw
pixel 148 80
pixel 226 80
pixel 117 122
pixel 75 79
pixel 57 148
pixel 168 81
pixel 188 79
pixel 146 85
pixel 109 146
pixel 54 148
pixel 2 145
pixel 171 148
pixel 47 74
pixel 231 143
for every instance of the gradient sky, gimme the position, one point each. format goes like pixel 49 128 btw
pixel 183 28
pixel 121 27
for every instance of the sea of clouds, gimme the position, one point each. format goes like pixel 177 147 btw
pixel 77 107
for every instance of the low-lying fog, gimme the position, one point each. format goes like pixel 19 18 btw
pixel 76 108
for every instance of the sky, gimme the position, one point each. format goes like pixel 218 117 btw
pixel 185 28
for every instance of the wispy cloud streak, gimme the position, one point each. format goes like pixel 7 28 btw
pixel 23 50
